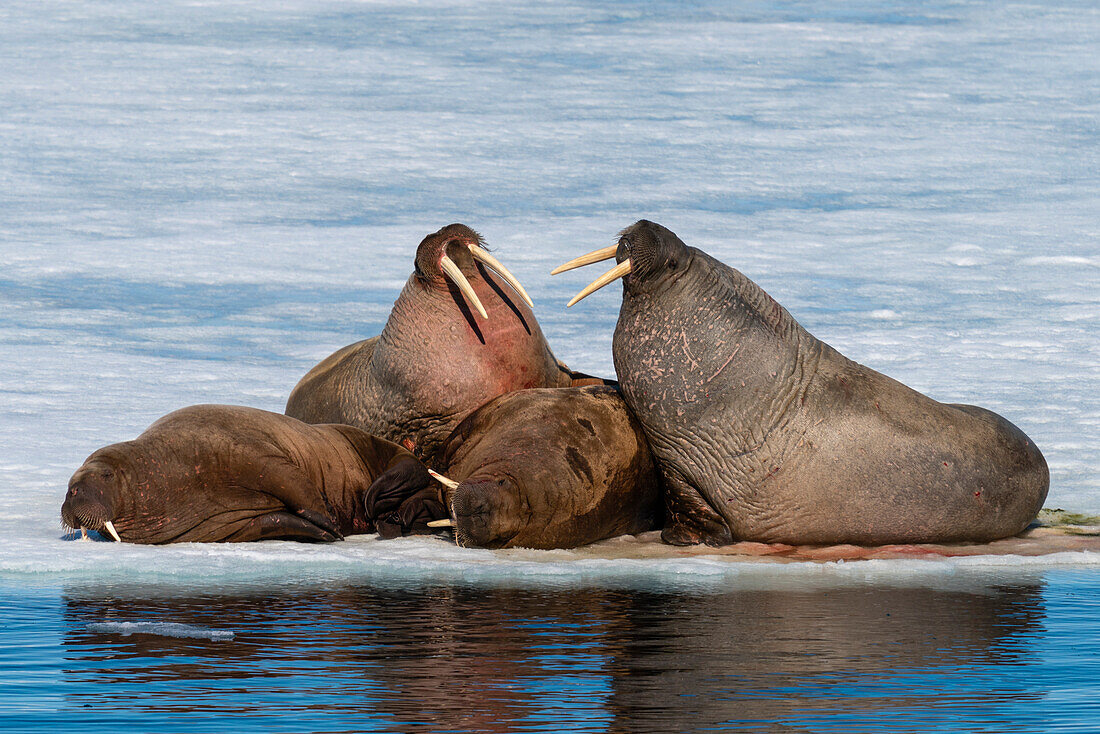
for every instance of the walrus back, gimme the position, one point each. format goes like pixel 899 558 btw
pixel 323 394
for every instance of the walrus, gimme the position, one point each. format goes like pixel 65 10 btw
pixel 542 468
pixel 225 473
pixel 764 433
pixel 435 361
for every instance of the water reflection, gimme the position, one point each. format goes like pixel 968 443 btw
pixel 846 660
pixel 459 658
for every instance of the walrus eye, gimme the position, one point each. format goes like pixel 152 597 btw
pixel 672 264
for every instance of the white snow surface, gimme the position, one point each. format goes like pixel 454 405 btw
pixel 200 200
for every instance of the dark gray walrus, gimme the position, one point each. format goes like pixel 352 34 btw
pixel 547 468
pixel 435 360
pixel 213 473
pixel 764 433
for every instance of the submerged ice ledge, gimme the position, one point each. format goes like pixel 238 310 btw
pixel 160 629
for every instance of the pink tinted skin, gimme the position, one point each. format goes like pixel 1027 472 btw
pixel 438 359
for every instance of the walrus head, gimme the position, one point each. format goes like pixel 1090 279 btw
pixel 487 512
pixel 449 255
pixel 646 253
pixel 93 499
pixel 125 492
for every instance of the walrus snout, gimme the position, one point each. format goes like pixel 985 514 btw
pixel 443 255
pixel 645 250
pixel 89 500
pixel 487 513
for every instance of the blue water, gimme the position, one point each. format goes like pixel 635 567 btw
pixel 970 656
pixel 199 201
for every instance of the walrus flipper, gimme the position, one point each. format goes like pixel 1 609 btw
pixel 413 516
pixel 321 521
pixel 689 519
pixel 281 526
pixel 580 379
pixel 403 500
pixel 396 485
pixel 280 481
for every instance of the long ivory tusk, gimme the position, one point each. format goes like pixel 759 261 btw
pixel 445 523
pixel 111 529
pixel 449 483
pixel 480 253
pixel 611 275
pixel 84 533
pixel 604 253
pixel 459 279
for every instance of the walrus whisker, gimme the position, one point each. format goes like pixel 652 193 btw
pixel 444 523
pixel 480 253
pixel 604 253
pixel 452 272
pixel 456 531
pixel 111 529
pixel 449 483
pixel 610 276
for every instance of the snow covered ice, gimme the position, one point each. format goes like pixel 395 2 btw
pixel 198 201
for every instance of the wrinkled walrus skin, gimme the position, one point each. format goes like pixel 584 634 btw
pixel 223 473
pixel 436 359
pixel 550 468
pixel 764 433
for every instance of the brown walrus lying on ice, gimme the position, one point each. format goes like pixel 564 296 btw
pixel 213 473
pixel 549 468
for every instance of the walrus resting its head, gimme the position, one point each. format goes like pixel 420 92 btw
pixel 546 468
pixel 550 469
pixel 461 333
pixel 212 473
pixel 764 433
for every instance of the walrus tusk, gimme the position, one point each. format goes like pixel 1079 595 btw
pixel 111 529
pixel 449 483
pixel 84 533
pixel 448 523
pixel 611 275
pixel 459 279
pixel 604 253
pixel 480 253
